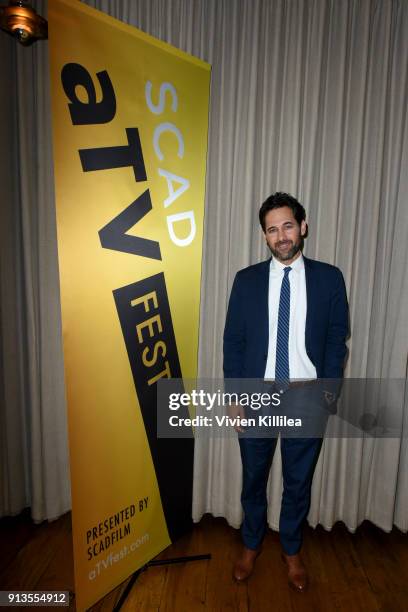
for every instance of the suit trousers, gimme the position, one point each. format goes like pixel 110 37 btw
pixel 299 458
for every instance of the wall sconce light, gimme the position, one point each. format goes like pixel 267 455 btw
pixel 20 20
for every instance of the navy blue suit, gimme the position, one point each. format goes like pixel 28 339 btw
pixel 246 338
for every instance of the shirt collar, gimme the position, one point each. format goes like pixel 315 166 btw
pixel 297 265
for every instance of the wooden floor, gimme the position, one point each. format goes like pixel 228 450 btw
pixel 367 571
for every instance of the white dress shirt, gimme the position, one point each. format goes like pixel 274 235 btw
pixel 300 366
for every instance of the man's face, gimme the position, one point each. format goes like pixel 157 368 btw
pixel 283 234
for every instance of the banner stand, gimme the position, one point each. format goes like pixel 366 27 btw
pixel 152 563
pixel 130 130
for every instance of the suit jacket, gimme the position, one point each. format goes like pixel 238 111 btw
pixel 246 333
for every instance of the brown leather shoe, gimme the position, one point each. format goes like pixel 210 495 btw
pixel 245 563
pixel 297 574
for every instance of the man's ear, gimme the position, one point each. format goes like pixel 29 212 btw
pixel 303 229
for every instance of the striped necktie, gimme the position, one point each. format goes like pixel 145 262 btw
pixel 282 338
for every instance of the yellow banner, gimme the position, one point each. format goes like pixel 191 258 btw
pixel 130 136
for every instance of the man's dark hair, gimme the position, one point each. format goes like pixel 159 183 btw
pixel 279 200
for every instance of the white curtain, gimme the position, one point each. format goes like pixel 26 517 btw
pixel 307 96
pixel 33 440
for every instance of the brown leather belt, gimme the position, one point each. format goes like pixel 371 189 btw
pixel 293 384
pixel 302 383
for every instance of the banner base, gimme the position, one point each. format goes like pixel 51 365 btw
pixel 136 575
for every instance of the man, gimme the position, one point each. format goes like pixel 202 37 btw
pixel 287 321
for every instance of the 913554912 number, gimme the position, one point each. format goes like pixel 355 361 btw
pixel 34 598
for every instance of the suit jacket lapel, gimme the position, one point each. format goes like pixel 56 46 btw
pixel 311 298
pixel 263 298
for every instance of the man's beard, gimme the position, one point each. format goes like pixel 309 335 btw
pixel 294 250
